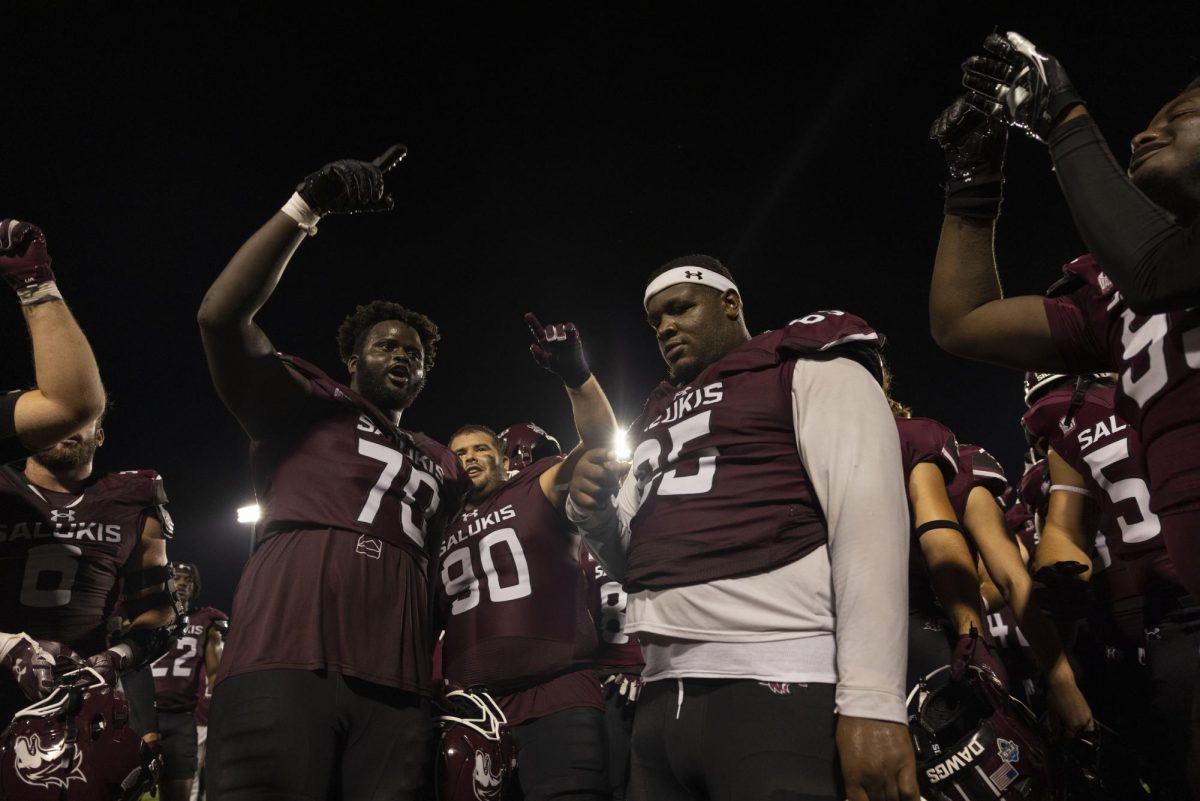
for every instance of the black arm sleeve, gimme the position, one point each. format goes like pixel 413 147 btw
pixel 11 448
pixel 1152 259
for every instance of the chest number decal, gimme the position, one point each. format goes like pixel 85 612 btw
pixel 420 490
pixel 647 460
pixel 467 582
pixel 49 575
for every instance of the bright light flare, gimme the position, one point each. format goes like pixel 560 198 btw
pixel 621 446
pixel 249 514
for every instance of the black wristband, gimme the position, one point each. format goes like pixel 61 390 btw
pixel 932 524
pixel 978 198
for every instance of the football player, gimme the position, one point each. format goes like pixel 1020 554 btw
pixel 1095 467
pixel 1085 324
pixel 943 586
pixel 762 537
pixel 177 683
pixel 68 395
pixel 619 664
pixel 323 687
pixel 70 539
pixel 513 598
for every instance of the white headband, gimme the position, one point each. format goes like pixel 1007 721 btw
pixel 688 275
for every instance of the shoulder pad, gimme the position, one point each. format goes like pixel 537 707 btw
pixel 932 438
pixel 1043 417
pixel 827 332
pixel 145 485
pixel 985 470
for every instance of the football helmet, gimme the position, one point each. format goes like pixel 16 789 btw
pixel 525 443
pixel 1038 384
pixel 974 741
pixel 76 744
pixel 475 758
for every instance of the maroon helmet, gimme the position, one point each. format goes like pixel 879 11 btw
pixel 974 741
pixel 475 758
pixel 76 744
pixel 525 443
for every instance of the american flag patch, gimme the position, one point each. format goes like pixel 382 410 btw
pixel 1005 775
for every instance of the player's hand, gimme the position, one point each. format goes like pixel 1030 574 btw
pixel 877 760
pixel 1061 592
pixel 24 258
pixel 973 144
pixel 972 649
pixel 558 348
pixel 626 686
pixel 1019 85
pixel 110 664
pixel 596 479
pixel 32 665
pixel 349 186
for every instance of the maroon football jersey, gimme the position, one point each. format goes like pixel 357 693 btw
pixel 976 468
pixel 1106 451
pixel 510 592
pixel 618 651
pixel 62 555
pixel 1156 356
pixel 722 490
pixel 179 674
pixel 352 506
pixel 924 441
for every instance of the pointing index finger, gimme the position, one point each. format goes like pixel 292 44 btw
pixel 391 157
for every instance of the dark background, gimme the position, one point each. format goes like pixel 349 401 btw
pixel 557 154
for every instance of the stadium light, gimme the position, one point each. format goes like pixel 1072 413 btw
pixel 620 445
pixel 249 514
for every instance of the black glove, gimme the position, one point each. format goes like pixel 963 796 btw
pixel 1018 85
pixel 1061 593
pixel 973 144
pixel 349 186
pixel 559 349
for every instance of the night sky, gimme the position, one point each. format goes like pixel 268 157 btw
pixel 558 153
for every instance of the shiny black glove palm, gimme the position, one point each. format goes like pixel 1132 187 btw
pixel 973 145
pixel 1019 85
pixel 349 186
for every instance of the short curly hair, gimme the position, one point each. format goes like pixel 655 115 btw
pixel 354 328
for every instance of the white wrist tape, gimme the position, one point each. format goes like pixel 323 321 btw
pixel 1070 488
pixel 34 294
pixel 688 275
pixel 299 211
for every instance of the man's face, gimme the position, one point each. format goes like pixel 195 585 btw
pixel 487 468
pixel 185 588
pixel 77 450
pixel 389 369
pixel 1165 163
pixel 692 323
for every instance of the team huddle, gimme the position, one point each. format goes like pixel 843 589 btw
pixel 793 588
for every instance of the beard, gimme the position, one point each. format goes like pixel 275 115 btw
pixel 491 480
pixel 375 387
pixel 68 455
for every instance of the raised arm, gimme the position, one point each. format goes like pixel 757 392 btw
pixel 968 313
pixel 260 391
pixel 1150 253
pixel 558 348
pixel 69 394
